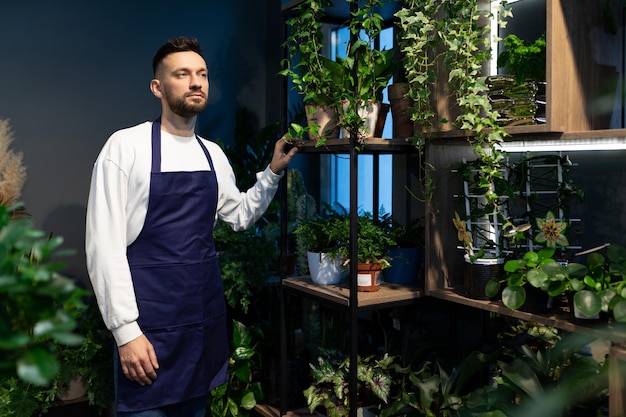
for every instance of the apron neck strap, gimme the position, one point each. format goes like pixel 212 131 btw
pixel 156 145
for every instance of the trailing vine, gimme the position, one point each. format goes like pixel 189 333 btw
pixel 453 37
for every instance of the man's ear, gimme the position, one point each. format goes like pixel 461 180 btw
pixel 155 87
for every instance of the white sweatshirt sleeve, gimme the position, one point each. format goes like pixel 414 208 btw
pixel 105 246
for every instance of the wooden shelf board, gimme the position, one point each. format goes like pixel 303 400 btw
pixel 370 145
pixel 559 319
pixel 388 295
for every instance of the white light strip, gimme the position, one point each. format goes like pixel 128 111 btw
pixel 604 144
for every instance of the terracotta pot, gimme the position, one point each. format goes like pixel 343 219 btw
pixel 326 118
pixel 403 126
pixel 75 390
pixel 380 121
pixel 369 276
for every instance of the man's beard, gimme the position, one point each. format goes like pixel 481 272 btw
pixel 181 107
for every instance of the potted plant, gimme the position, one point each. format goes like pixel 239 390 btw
pixel 367 71
pixel 530 268
pixel 329 388
pixel 485 223
pixel 365 107
pixel 323 238
pixel 519 96
pixel 408 252
pixel 519 272
pixel 594 287
pixel 373 243
pixel 313 76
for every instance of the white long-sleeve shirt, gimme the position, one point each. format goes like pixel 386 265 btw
pixel 118 202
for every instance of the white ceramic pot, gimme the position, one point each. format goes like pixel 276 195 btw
pixel 324 269
pixel 369 113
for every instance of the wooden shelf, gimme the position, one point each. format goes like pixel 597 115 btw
pixel 389 295
pixel 369 146
pixel 559 318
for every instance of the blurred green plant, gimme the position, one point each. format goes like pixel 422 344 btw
pixel 36 300
pixel 240 394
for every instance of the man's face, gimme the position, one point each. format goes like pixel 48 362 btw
pixel 184 79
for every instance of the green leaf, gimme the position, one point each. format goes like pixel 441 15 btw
pixel 556 288
pixel 588 303
pixel 243 353
pixel 67 338
pixel 248 401
pixel 14 341
pixel 619 311
pixel 522 376
pixel 492 288
pixel 513 265
pixel 37 366
pixel 536 277
pixel 514 297
pixel 606 296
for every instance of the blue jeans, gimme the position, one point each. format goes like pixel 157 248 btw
pixel 192 408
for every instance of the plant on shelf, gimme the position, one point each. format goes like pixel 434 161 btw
pixel 315 77
pixel 539 371
pixel 449 36
pixel 367 71
pixel 524 60
pixel 484 227
pixel 519 96
pixel 407 254
pixel 329 388
pixel 519 272
pixel 597 286
pixel 530 267
pixel 322 238
pixel 373 244
pixel 485 223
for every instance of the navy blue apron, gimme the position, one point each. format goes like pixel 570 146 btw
pixel 178 287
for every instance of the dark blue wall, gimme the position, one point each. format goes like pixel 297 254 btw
pixel 74 71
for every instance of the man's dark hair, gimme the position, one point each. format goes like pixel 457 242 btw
pixel 180 44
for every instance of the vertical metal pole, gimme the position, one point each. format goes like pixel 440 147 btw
pixel 354 300
pixel 282 192
pixel 354 233
pixel 283 322
pixel 376 187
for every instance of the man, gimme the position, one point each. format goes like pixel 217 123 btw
pixel 156 192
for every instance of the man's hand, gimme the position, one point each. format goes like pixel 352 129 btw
pixel 283 152
pixel 139 361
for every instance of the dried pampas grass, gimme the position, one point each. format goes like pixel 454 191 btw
pixel 12 172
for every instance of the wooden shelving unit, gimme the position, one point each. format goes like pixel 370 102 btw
pixel 575 75
pixel 575 78
pixel 346 296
